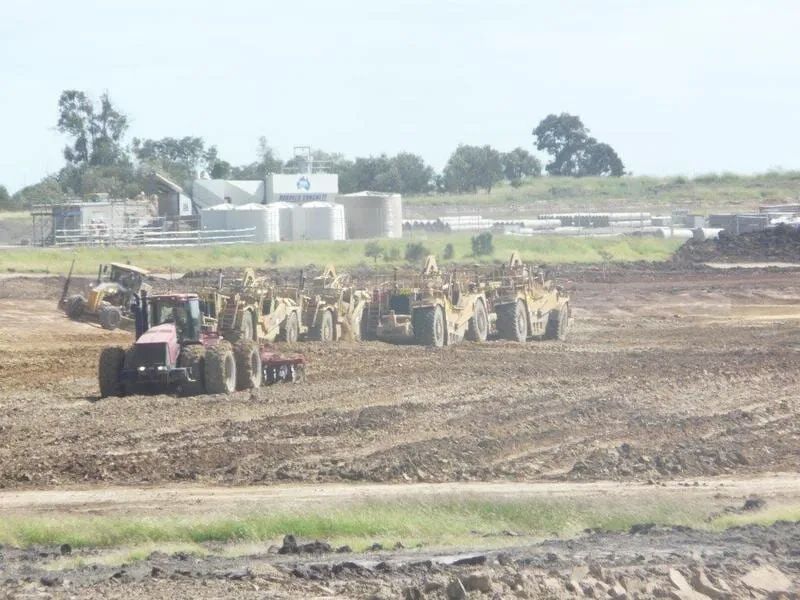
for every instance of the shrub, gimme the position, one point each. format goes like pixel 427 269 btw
pixel 373 250
pixel 416 252
pixel 449 252
pixel 482 244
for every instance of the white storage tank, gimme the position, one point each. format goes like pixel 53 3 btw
pixel 372 215
pixel 319 221
pixel 283 214
pixel 263 220
pixel 215 218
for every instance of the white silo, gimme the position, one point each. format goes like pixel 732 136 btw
pixel 320 221
pixel 261 219
pixel 283 213
pixel 373 214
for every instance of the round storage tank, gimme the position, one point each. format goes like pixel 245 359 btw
pixel 262 220
pixel 373 215
pixel 283 214
pixel 215 218
pixel 320 221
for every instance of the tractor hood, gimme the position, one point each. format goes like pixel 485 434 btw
pixel 156 339
pixel 160 334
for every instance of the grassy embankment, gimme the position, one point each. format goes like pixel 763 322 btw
pixel 543 249
pixel 726 192
pixel 446 522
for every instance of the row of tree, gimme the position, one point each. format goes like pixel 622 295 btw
pixel 99 160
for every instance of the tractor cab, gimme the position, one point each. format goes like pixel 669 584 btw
pixel 181 310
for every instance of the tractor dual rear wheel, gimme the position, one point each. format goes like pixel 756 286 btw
pixel 429 327
pixel 220 369
pixel 248 365
pixel 112 359
pixel 192 358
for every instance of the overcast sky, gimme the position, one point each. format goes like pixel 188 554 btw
pixel 674 86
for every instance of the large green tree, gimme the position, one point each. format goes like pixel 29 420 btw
pixel 404 173
pixel 519 164
pixel 574 151
pixel 268 162
pixel 96 131
pixel 473 167
pixel 181 159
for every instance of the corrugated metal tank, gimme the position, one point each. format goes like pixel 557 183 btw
pixel 319 221
pixel 372 215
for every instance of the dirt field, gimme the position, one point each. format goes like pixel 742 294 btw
pixel 668 373
pixel 665 374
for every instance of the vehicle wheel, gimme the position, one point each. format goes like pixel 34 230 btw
pixel 109 371
pixel 110 317
pixel 478 328
pixel 324 331
pixel 357 324
pixel 220 369
pixel 558 324
pixel 290 329
pixel 75 306
pixel 512 321
pixel 429 326
pixel 248 365
pixel 366 332
pixel 192 357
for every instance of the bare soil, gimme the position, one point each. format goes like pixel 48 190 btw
pixel 665 374
pixel 669 372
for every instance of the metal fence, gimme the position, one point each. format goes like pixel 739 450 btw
pixel 107 236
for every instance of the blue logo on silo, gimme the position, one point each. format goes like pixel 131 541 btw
pixel 303 184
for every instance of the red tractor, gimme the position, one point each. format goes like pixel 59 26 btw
pixel 174 350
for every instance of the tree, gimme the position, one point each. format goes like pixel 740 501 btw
pixel 473 167
pixel 5 199
pixel 268 162
pixel 574 151
pixel 96 132
pixel 482 244
pixel 48 190
pixel 518 164
pixel 373 250
pixel 449 251
pixel 181 159
pixel 413 175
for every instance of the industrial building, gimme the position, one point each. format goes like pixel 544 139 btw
pixel 98 219
pixel 301 206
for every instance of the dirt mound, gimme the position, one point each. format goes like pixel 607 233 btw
pixel 781 243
